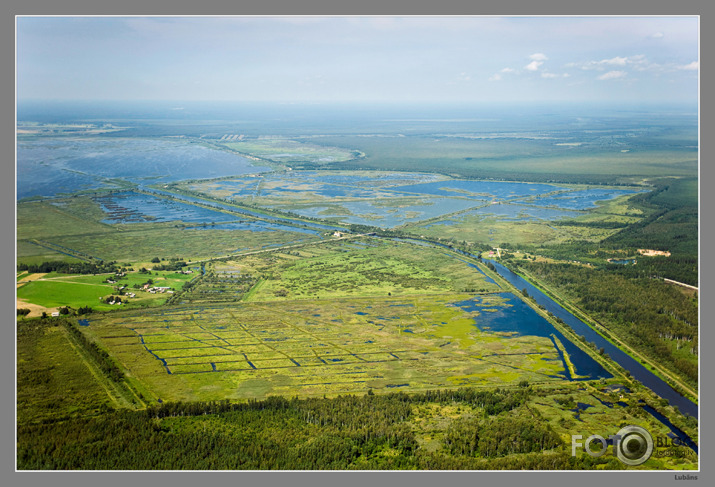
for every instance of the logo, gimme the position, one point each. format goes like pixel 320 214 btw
pixel 632 445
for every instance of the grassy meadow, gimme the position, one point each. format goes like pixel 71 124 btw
pixel 319 347
pixel 519 159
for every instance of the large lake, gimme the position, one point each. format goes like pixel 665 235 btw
pixel 47 167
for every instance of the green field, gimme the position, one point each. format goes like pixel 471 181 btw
pixel 340 317
pixel 58 290
pixel 520 159
pixel 55 381
pixel 66 420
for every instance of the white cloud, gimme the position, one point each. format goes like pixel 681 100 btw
pixel 533 65
pixel 537 59
pixel 658 35
pixel 694 66
pixel 617 61
pixel 612 75
pixel 498 76
pixel 554 75
pixel 638 62
pixel 603 64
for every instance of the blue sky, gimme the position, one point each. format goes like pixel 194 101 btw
pixel 330 59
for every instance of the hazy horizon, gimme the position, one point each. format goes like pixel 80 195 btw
pixel 298 59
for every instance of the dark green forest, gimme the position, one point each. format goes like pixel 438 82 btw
pixel 670 224
pixel 347 432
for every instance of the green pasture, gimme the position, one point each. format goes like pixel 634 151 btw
pixel 74 223
pixel 32 254
pixel 53 294
pixel 142 243
pixel 522 159
pixel 56 290
pixel 58 383
pixel 490 231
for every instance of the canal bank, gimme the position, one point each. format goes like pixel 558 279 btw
pixel 635 368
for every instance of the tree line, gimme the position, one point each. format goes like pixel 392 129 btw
pixel 371 432
pixel 70 267
pixel 100 357
pixel 346 432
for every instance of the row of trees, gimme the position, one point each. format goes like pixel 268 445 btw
pixel 71 267
pixel 99 356
pixel 175 265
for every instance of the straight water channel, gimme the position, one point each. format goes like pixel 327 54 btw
pixel 535 327
pixel 638 371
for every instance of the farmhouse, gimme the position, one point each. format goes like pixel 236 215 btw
pixel 158 289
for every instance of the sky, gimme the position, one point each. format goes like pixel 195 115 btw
pixel 359 59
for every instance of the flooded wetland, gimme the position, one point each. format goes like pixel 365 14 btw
pixel 269 267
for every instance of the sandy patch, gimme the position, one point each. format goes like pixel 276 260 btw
pixel 651 253
pixel 35 310
pixel 31 277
